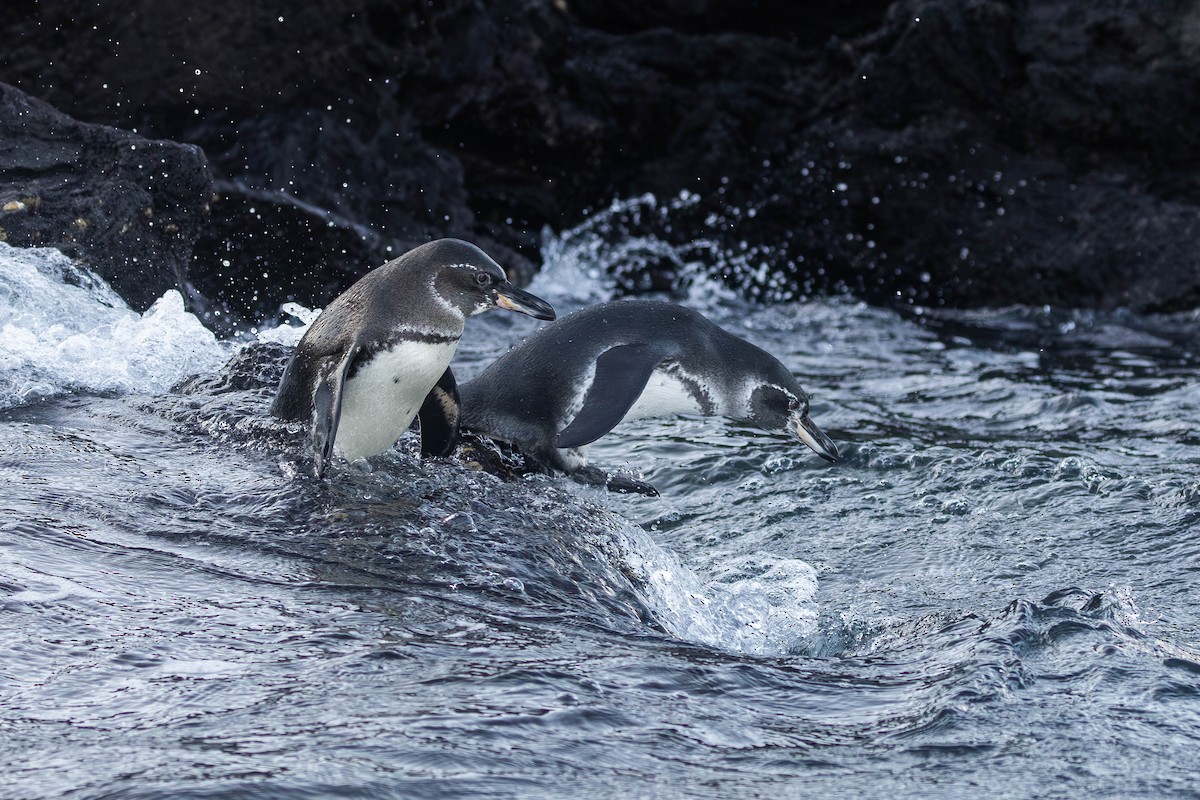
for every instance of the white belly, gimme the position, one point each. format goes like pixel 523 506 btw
pixel 664 396
pixel 383 397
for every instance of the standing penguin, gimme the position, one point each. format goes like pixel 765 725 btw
pixel 379 354
pixel 574 381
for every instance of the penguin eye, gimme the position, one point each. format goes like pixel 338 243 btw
pixel 483 279
pixel 793 404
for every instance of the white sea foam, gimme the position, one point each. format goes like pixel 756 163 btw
pixel 63 329
pixel 758 605
pixel 290 334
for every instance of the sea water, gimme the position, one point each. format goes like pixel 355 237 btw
pixel 991 592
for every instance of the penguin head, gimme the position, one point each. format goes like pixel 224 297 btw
pixel 785 409
pixel 472 282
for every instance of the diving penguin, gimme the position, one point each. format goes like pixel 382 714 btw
pixel 379 354
pixel 574 381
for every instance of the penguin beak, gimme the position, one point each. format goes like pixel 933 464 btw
pixel 511 298
pixel 815 438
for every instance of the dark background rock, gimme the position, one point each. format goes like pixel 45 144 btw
pixel 960 152
pixel 133 207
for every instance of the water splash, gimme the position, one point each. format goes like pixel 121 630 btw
pixel 618 251
pixel 287 333
pixel 757 604
pixel 64 329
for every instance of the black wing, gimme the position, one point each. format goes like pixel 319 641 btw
pixel 621 376
pixel 327 406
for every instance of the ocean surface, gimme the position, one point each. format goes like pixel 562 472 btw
pixel 993 592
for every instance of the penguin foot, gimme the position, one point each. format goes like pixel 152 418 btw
pixel 593 476
pixel 627 485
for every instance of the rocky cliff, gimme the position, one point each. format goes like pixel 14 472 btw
pixel 963 153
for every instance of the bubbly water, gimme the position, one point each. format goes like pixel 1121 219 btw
pixel 990 594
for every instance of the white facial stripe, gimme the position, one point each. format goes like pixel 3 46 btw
pixel 479 308
pixel 476 268
pixel 442 301
pixel 747 395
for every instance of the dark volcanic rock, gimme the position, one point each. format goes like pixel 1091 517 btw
pixel 960 152
pixel 262 249
pixel 963 153
pixel 131 206
pixel 1028 153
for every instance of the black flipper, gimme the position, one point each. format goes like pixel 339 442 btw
pixel 291 398
pixel 327 407
pixel 439 416
pixel 621 375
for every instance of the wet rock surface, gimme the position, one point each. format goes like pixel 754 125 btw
pixel 945 153
pixel 133 207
